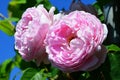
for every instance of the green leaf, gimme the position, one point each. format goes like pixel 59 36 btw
pixel 113 47
pixel 23 64
pixel 6 66
pixel 14 8
pixel 47 5
pixel 7 27
pixel 5 69
pixel 115 66
pixel 28 74
pixel 54 71
pixel 39 1
pixel 35 74
pixel 14 2
pixel 13 19
pixel 39 76
pixel 99 11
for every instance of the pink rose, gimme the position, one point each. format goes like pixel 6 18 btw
pixel 31 31
pixel 75 42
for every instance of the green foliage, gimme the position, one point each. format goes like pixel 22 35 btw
pixel 5 69
pixel 115 65
pixel 99 11
pixel 113 48
pixel 99 7
pixel 14 8
pixel 28 74
pixel 114 58
pixel 17 7
pixel 38 74
pixel 12 19
pixel 7 27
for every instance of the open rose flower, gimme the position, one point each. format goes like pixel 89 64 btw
pixel 75 42
pixel 31 31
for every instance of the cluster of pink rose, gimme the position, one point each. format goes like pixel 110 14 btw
pixel 70 42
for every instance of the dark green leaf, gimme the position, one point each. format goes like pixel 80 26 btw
pixel 14 9
pixel 54 71
pixel 7 27
pixel 115 66
pixel 28 74
pixel 35 74
pixel 23 64
pixel 47 5
pixel 5 69
pixel 6 66
pixel 113 47
pixel 39 1
pixel 39 76
pixel 99 11
pixel 28 4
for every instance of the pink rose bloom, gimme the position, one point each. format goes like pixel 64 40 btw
pixel 31 31
pixel 75 42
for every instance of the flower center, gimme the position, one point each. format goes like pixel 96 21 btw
pixel 72 36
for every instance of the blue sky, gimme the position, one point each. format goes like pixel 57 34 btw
pixel 7 42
